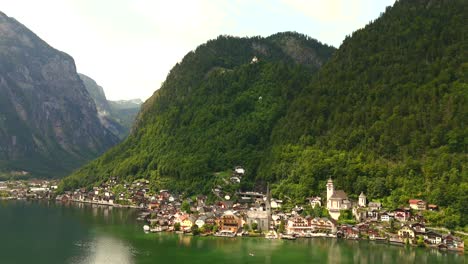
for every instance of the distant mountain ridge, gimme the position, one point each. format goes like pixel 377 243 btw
pixel 48 121
pixel 117 116
pixel 125 104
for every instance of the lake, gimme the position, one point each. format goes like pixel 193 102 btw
pixel 49 232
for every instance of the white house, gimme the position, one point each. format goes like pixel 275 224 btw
pixel 276 203
pixel 315 201
pixel 239 170
pixel 433 237
pixel 385 217
pixel 235 179
pixel 200 221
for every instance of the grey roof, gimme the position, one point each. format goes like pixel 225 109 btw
pixel 257 214
pixel 339 194
pixel 203 218
pixel 433 233
pixel 210 214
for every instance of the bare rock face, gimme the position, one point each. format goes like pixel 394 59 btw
pixel 48 122
pixel 300 48
pixel 116 116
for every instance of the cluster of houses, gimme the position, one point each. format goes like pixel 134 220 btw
pixel 136 194
pixel 30 189
pixel 400 226
pixel 255 210
pixel 255 213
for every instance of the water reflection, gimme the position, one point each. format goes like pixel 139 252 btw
pixel 103 250
pixel 76 234
pixel 185 240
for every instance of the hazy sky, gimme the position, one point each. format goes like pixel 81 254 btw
pixel 129 46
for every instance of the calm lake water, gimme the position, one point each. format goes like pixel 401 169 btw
pixel 42 232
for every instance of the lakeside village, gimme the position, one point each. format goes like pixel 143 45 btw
pixel 253 213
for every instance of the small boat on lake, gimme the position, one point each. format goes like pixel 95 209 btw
pixel 271 235
pixel 379 239
pixel 225 233
pixel 288 237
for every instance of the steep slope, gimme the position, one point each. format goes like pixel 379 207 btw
pixel 215 110
pixel 116 116
pixel 387 115
pixel 48 122
pixel 125 112
pixel 97 94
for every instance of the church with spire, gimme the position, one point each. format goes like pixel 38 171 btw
pixel 261 215
pixel 337 200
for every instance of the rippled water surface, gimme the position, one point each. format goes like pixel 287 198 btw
pixel 41 232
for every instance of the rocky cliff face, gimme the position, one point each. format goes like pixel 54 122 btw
pixel 116 116
pixel 48 121
pixel 97 94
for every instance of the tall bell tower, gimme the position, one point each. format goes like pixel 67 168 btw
pixel 362 200
pixel 268 205
pixel 330 188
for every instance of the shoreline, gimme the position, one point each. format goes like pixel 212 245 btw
pixel 387 241
pixel 104 203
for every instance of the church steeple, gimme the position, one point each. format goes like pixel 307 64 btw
pixel 330 188
pixel 362 200
pixel 268 205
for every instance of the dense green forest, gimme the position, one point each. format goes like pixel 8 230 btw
pixel 386 115
pixel 215 110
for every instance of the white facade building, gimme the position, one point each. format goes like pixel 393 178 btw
pixel 336 200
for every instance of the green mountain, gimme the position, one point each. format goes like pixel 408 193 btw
pixel 386 114
pixel 48 121
pixel 215 110
pixel 116 116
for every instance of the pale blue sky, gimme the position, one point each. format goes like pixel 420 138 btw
pixel 129 46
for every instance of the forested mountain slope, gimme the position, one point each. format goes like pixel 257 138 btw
pixel 386 114
pixel 215 110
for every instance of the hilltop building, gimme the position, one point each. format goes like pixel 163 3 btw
pixel 254 60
